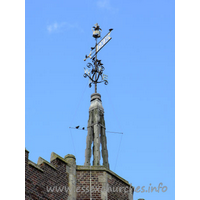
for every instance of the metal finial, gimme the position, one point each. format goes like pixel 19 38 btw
pixel 94 70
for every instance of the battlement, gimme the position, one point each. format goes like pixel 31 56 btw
pixel 42 177
pixel 61 178
pixel 42 161
pixel 35 165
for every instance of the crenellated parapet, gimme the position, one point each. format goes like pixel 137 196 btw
pixel 61 178
pixel 50 180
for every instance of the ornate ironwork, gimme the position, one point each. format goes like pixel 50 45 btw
pixel 94 70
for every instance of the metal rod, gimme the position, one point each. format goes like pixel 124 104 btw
pixel 96 68
pixel 114 132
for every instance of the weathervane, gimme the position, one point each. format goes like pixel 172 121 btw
pixel 97 67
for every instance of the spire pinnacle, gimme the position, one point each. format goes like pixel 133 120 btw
pixel 96 133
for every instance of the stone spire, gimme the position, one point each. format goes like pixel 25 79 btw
pixel 96 133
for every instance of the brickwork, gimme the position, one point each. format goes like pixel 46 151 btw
pixel 38 179
pixel 62 179
pixel 98 182
pixel 117 189
pixel 88 181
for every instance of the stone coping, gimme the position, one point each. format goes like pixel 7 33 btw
pixel 100 168
pixel 54 156
pixel 35 165
pixel 78 167
pixel 70 156
pixel 42 160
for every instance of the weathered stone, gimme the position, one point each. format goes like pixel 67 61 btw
pixel 71 169
pixel 96 133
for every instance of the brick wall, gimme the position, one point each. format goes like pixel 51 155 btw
pixel 101 183
pixel 83 186
pixel 117 189
pixel 38 178
pixel 53 180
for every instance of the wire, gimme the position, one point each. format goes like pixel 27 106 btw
pixel 114 132
pixel 73 143
pixel 77 129
pixel 113 108
pixel 118 125
pixel 74 117
pixel 86 130
pixel 118 153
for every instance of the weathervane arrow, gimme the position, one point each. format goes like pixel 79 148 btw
pixel 99 46
pixel 97 66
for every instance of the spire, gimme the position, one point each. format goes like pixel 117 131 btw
pixel 96 123
pixel 96 133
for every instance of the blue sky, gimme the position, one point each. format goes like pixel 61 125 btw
pixel 138 101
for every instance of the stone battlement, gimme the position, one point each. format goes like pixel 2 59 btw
pixel 61 178
pixel 44 175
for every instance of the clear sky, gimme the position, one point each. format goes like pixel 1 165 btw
pixel 138 101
